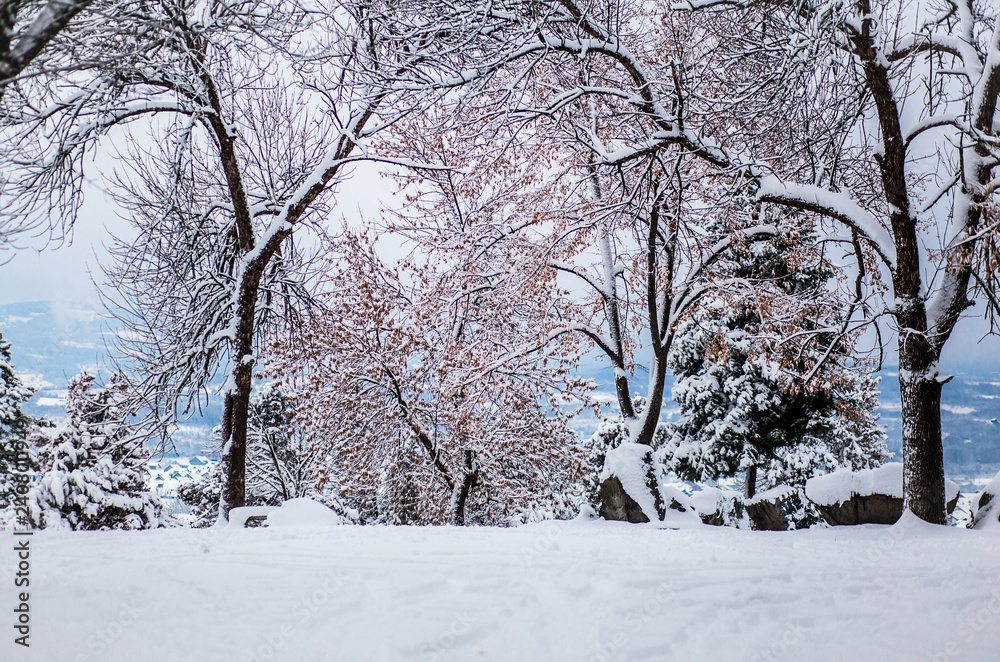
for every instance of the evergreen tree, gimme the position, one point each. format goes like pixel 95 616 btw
pixel 858 441
pixel 740 411
pixel 281 465
pixel 16 455
pixel 95 472
pixel 14 423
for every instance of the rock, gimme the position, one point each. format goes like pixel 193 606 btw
pixel 869 496
pixel 617 505
pixel 632 495
pixel 764 511
pixel 869 509
pixel 718 507
pixel 766 516
pixel 954 502
pixel 988 507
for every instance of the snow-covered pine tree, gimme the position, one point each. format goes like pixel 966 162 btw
pixel 281 464
pixel 14 423
pixel 202 497
pixel 739 410
pixel 858 442
pixel 96 476
pixel 14 428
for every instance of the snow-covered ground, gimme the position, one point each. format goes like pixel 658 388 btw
pixel 554 591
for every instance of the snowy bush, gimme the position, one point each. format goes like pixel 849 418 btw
pixel 96 476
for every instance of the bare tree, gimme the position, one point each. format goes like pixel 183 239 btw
pixel 411 382
pixel 610 103
pixel 242 156
pixel 27 28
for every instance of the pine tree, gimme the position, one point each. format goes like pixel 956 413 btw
pixel 95 477
pixel 16 456
pixel 14 423
pixel 281 465
pixel 740 412
pixel 858 441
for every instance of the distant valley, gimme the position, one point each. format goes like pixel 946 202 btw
pixel 54 341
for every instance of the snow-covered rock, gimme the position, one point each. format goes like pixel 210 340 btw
pixel 303 512
pixel 764 511
pixel 625 492
pixel 719 507
pixel 988 507
pixel 868 496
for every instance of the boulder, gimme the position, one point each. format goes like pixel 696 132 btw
pixel 868 509
pixel 718 507
pixel 617 505
pixel 628 488
pixel 988 507
pixel 764 509
pixel 869 496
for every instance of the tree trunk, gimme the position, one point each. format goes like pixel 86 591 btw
pixel 654 402
pixel 751 486
pixel 234 425
pixel 465 489
pixel 923 454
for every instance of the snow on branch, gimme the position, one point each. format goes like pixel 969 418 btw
pixel 836 205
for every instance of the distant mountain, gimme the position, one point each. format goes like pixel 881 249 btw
pixel 51 342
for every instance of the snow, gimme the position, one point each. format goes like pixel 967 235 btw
pixel 303 512
pixel 628 463
pixel 774 494
pixel 581 591
pixel 841 485
pixel 839 205
pixel 992 487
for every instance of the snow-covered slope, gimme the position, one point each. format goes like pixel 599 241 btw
pixel 582 591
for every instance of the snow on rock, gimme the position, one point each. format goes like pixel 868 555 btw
pixel 628 463
pixel 718 507
pixel 303 512
pixel 988 507
pixel 774 494
pixel 238 516
pixel 837 487
pixel 680 509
